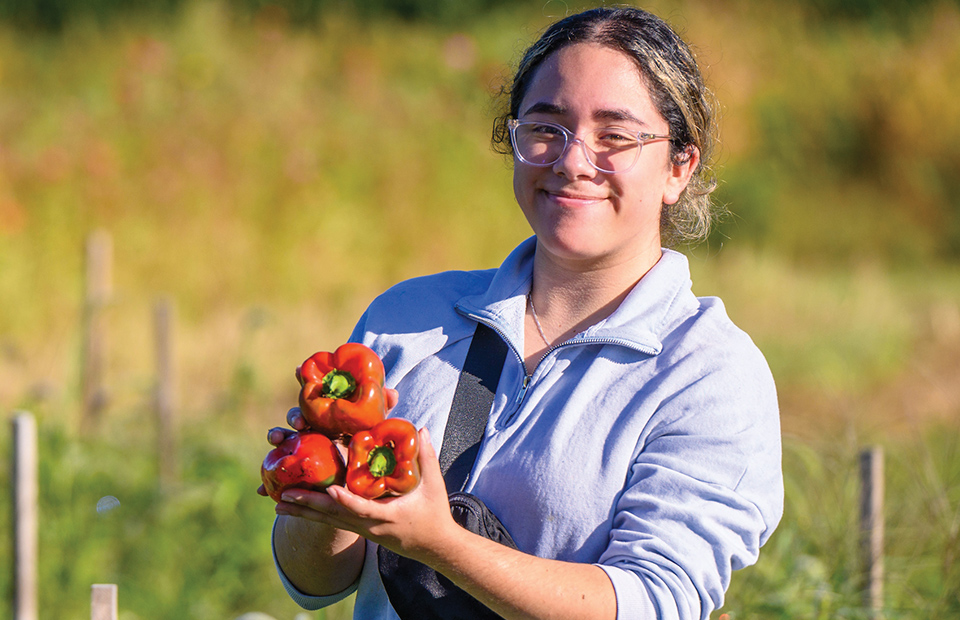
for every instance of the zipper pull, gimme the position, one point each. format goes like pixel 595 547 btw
pixel 523 388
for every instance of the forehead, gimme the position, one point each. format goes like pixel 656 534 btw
pixel 589 80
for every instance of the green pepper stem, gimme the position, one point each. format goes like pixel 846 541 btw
pixel 381 461
pixel 337 384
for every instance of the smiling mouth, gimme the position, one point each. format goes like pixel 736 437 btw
pixel 572 198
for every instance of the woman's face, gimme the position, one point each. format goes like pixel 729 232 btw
pixel 582 217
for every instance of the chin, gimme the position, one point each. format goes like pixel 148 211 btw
pixel 587 250
pixel 576 248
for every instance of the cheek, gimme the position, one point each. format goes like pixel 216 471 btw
pixel 649 186
pixel 522 186
pixel 640 199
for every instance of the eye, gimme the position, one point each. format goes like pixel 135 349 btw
pixel 616 138
pixel 543 131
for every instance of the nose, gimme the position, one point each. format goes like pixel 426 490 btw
pixel 575 162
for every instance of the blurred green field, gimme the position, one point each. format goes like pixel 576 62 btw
pixel 271 177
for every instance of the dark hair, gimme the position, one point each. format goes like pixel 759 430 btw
pixel 676 87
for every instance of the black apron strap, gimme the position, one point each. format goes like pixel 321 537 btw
pixel 471 406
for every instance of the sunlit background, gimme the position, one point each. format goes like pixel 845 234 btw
pixel 260 170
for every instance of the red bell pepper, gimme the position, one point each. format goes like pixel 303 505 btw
pixel 304 460
pixel 383 459
pixel 342 392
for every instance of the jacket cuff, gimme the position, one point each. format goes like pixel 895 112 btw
pixel 633 599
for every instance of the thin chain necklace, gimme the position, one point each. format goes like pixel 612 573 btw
pixel 536 320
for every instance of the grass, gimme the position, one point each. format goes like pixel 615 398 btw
pixel 200 548
pixel 811 568
pixel 271 180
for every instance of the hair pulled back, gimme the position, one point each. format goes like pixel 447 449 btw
pixel 676 86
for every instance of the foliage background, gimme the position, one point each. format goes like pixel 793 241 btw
pixel 271 167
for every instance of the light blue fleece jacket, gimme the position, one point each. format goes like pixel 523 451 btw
pixel 648 445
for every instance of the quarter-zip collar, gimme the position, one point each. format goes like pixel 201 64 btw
pixel 638 322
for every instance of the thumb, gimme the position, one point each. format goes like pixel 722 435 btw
pixel 429 463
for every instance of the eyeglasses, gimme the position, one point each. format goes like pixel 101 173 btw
pixel 608 149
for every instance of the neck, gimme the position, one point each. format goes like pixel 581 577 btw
pixel 568 299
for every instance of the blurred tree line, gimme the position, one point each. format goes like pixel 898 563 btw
pixel 841 122
pixel 53 14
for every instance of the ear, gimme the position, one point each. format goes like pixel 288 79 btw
pixel 682 168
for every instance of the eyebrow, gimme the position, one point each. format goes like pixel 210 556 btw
pixel 616 114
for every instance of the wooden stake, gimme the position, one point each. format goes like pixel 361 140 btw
pixel 166 392
pixel 103 601
pixel 25 517
pixel 871 528
pixel 98 285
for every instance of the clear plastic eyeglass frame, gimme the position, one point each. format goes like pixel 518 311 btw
pixel 627 154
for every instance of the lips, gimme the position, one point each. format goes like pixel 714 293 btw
pixel 573 199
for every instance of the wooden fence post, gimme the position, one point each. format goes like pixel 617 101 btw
pixel 871 528
pixel 103 601
pixel 24 516
pixel 166 392
pixel 97 291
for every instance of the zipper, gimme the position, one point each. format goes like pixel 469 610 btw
pixel 528 379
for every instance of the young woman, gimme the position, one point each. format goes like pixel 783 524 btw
pixel 633 447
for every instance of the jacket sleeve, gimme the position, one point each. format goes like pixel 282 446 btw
pixel 704 491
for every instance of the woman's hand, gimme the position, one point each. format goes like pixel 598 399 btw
pixel 411 525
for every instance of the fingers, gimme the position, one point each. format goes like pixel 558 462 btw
pixel 342 496
pixel 277 435
pixel 382 521
pixel 308 504
pixel 392 397
pixel 336 507
pixel 295 419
